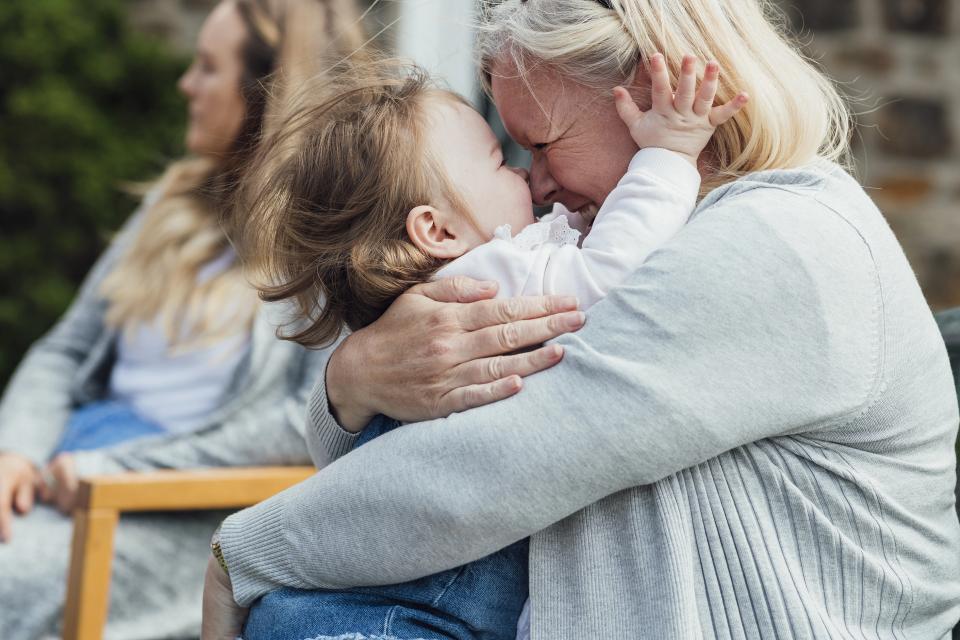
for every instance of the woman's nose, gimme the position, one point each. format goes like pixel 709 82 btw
pixel 185 83
pixel 543 187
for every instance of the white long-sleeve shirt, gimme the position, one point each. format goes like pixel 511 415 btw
pixel 648 206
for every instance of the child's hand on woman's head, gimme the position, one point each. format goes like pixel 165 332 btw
pixel 682 122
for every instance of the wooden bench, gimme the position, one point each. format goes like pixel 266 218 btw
pixel 102 499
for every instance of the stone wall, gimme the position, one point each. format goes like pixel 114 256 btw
pixel 899 60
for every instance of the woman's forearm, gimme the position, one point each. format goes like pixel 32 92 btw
pixel 347 401
pixel 327 439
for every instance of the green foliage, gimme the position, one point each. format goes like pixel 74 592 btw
pixel 86 104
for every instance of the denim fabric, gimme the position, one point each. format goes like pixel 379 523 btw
pixel 481 600
pixel 102 424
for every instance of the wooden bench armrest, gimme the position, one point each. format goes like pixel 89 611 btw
pixel 101 500
pixel 231 488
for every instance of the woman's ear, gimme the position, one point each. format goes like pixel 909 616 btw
pixel 436 233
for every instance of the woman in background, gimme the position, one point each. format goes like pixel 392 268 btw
pixel 165 341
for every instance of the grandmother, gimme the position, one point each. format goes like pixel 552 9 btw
pixel 751 438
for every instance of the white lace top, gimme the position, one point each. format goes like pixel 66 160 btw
pixel 648 206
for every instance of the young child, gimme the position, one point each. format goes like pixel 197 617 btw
pixel 391 182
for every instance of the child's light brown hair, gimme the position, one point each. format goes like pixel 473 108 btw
pixel 327 198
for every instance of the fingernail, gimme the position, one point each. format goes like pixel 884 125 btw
pixel 556 352
pixel 574 320
pixel 487 286
pixel 570 301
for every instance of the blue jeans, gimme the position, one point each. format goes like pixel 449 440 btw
pixel 482 600
pixel 102 424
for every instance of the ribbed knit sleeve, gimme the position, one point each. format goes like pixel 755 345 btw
pixel 326 439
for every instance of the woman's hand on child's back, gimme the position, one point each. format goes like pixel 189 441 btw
pixel 443 347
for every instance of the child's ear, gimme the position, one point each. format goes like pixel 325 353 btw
pixel 436 233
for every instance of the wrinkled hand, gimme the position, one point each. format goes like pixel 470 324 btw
pixel 18 485
pixel 681 121
pixel 222 617
pixel 443 347
pixel 61 484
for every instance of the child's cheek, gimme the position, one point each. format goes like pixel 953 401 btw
pixel 524 218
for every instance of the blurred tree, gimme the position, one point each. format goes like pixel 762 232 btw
pixel 86 103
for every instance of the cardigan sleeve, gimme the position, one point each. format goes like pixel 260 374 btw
pixel 326 439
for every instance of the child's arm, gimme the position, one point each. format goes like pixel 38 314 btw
pixel 658 193
pixel 649 205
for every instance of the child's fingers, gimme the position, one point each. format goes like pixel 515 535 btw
pixel 708 89
pixel 662 93
pixel 719 115
pixel 687 86
pixel 627 109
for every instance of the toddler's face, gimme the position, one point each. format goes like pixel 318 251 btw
pixel 467 148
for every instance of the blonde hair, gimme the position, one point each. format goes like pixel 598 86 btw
pixel 159 276
pixel 795 114
pixel 325 220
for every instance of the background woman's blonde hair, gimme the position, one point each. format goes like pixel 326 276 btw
pixel 795 113
pixel 325 219
pixel 158 276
